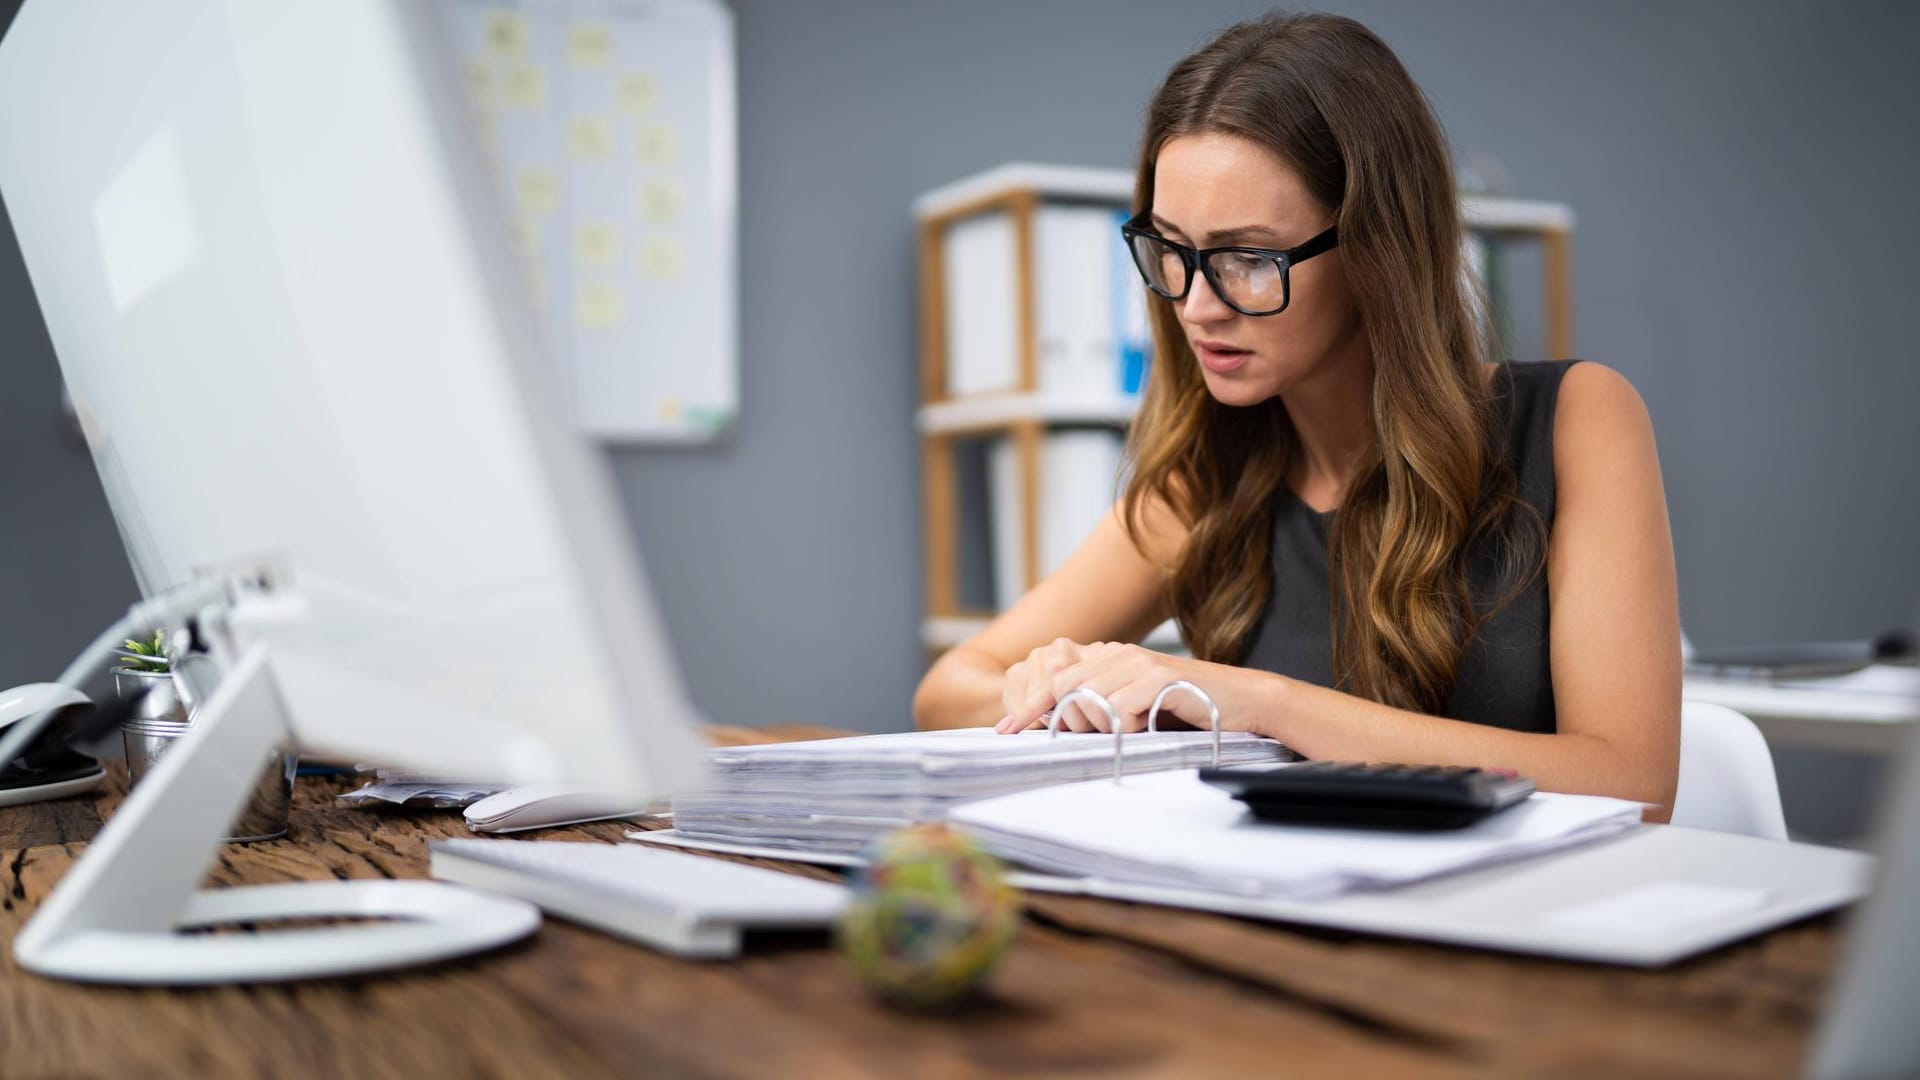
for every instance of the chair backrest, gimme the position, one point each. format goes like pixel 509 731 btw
pixel 1726 775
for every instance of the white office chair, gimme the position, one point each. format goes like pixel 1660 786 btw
pixel 1726 775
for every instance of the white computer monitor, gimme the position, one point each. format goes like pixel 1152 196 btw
pixel 1869 1028
pixel 278 277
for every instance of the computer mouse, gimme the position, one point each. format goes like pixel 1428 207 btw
pixel 21 702
pixel 1895 644
pixel 48 768
pixel 538 806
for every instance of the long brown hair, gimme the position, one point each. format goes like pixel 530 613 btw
pixel 1328 97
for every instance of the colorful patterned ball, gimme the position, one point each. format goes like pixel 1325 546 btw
pixel 931 914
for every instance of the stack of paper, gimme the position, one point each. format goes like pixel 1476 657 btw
pixel 835 795
pixel 417 789
pixel 1172 831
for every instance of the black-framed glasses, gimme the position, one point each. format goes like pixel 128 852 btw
pixel 1250 280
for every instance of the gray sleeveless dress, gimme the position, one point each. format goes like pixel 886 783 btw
pixel 1504 677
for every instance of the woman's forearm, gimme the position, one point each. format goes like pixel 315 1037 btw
pixel 965 689
pixel 1324 723
pixel 962 689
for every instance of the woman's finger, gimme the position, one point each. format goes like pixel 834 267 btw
pixel 1133 701
pixel 1086 715
pixel 1079 715
pixel 1013 689
pixel 1021 695
pixel 1038 695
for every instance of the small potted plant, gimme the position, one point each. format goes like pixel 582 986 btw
pixel 164 712
pixel 149 655
pixel 145 672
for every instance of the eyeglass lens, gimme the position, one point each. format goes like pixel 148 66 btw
pixel 1250 282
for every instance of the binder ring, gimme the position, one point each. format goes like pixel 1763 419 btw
pixel 1095 696
pixel 1213 711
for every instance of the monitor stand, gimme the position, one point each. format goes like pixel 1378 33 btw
pixel 122 913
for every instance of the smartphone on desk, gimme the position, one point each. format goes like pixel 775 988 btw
pixel 1373 796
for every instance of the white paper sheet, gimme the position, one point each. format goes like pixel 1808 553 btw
pixel 1172 830
pixel 1659 908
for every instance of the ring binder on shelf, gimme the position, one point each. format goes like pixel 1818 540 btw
pixel 1052 716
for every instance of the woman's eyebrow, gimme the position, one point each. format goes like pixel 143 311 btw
pixel 1240 232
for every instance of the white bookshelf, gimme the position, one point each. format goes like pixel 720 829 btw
pixel 991 412
pixel 944 632
pixel 1487 213
pixel 1019 177
pixel 1026 414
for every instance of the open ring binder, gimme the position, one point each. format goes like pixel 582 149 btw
pixel 1052 716
pixel 1213 710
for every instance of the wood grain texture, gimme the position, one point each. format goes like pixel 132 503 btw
pixel 1090 987
pixel 58 822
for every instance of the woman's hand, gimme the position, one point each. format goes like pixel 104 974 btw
pixel 1128 676
pixel 1028 691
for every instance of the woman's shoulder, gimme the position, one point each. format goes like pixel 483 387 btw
pixel 1542 392
pixel 1593 398
pixel 1534 381
pixel 1559 417
pixel 1600 424
pixel 1553 381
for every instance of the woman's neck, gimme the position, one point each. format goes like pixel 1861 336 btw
pixel 1332 416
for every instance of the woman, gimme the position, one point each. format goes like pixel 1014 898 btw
pixel 1377 545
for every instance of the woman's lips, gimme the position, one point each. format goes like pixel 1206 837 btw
pixel 1221 358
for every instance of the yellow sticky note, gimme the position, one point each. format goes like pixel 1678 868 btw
pixel 599 305
pixel 478 76
pixel 660 201
pixel 589 138
pixel 670 410
pixel 596 243
pixel 538 191
pixel 660 259
pixel 526 87
pixel 507 34
pixel 659 145
pixel 590 45
pixel 636 93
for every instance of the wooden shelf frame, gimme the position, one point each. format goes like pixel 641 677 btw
pixel 940 507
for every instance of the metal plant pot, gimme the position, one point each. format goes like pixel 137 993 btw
pixel 162 717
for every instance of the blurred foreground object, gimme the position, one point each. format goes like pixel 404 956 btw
pixel 931 915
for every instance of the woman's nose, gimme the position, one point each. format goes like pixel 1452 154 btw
pixel 1202 304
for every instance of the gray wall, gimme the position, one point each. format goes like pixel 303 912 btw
pixel 1743 175
pixel 63 574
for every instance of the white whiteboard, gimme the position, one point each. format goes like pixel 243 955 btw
pixel 611 128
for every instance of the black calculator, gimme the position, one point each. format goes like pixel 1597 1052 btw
pixel 1373 796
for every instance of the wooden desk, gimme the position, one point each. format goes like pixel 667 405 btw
pixel 1090 987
